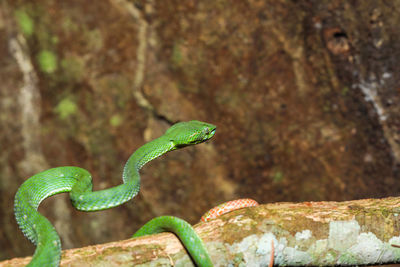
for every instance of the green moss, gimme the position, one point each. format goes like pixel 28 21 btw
pixel 54 39
pixel 345 91
pixel 278 177
pixel 47 61
pixel 116 120
pixel 326 108
pixel 348 259
pixel 176 56
pixel 66 108
pixel 330 256
pixel 25 22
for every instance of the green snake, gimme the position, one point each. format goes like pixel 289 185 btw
pixel 78 182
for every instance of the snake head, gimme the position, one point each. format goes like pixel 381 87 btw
pixel 190 133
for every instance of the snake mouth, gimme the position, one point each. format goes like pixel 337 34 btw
pixel 209 135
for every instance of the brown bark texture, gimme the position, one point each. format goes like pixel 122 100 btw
pixel 305 95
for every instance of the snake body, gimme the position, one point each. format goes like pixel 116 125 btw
pixel 228 207
pixel 78 182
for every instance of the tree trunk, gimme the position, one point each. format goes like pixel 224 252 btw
pixel 309 233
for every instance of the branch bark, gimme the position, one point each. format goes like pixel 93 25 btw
pixel 309 233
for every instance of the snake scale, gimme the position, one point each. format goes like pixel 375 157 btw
pixel 78 182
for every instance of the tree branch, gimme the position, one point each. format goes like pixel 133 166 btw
pixel 315 233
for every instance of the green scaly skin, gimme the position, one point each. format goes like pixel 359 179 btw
pixel 184 231
pixel 78 182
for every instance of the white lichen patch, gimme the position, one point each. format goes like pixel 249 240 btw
pixel 303 235
pixel 343 234
pixel 247 247
pixel 265 244
pixel 370 248
pixel 346 245
pixel 395 250
pixel 370 89
pixel 217 250
pixel 395 240
pixel 292 256
pixel 319 247
pixel 256 251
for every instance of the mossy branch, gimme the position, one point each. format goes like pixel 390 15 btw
pixel 315 233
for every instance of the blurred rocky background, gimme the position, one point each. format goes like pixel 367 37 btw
pixel 305 95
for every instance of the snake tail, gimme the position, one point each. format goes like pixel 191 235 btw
pixel 184 231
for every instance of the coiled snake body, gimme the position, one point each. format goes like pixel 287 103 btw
pixel 78 182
